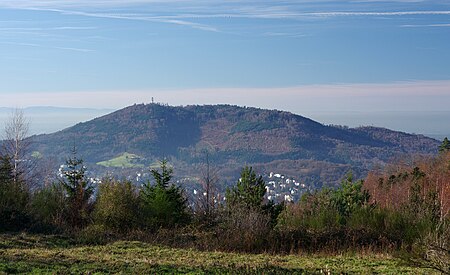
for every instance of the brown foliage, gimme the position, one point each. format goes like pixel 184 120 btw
pixel 392 188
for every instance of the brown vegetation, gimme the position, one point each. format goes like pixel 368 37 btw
pixel 393 187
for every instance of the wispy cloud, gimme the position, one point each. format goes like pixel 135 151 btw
pixel 74 49
pixel 20 44
pixel 46 29
pixel 285 34
pixel 82 3
pixel 386 13
pixel 133 16
pixel 46 46
pixel 121 3
pixel 193 13
pixel 286 14
pixel 249 13
pixel 426 26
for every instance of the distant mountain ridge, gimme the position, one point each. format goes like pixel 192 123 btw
pixel 49 109
pixel 270 140
pixel 48 119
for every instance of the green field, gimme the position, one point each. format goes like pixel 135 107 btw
pixel 126 160
pixel 51 254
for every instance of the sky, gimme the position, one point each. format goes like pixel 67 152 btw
pixel 311 57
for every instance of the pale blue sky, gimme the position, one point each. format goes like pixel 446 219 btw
pixel 108 54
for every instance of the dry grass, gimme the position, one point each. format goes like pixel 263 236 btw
pixel 52 254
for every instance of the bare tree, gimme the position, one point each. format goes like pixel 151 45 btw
pixel 16 144
pixel 209 198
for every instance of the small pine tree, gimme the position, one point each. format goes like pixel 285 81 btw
pixel 14 198
pixel 246 221
pixel 78 190
pixel 6 170
pixel 164 204
pixel 349 197
pixel 445 145
pixel 249 190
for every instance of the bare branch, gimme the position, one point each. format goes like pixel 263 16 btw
pixel 208 200
pixel 16 143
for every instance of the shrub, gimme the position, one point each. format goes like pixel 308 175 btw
pixel 433 250
pixel 314 212
pixel 48 207
pixel 117 206
pixel 349 197
pixel 245 229
pixel 14 199
pixel 342 219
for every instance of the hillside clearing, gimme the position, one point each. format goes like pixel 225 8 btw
pixel 126 160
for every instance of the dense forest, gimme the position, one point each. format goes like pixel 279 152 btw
pixel 232 136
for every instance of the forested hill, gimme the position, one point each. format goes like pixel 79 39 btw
pixel 270 140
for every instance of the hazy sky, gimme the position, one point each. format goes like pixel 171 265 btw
pixel 304 55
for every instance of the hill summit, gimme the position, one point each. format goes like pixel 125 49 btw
pixel 233 136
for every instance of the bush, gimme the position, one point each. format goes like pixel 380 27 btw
pixel 13 207
pixel 14 199
pixel 310 225
pixel 47 208
pixel 349 197
pixel 370 218
pixel 343 219
pixel 314 212
pixel 117 206
pixel 433 250
pixel 245 229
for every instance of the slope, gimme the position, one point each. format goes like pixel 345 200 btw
pixel 233 136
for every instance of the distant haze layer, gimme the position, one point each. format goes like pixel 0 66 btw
pixel 434 124
pixel 51 119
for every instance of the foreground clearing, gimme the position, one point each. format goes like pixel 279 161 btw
pixel 49 254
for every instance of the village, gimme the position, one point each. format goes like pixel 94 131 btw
pixel 279 188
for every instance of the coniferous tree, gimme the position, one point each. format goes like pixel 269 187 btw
pixel 246 220
pixel 349 197
pixel 445 145
pixel 164 203
pixel 249 190
pixel 14 198
pixel 79 191
pixel 6 170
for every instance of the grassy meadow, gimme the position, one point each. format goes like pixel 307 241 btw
pixel 125 160
pixel 25 253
